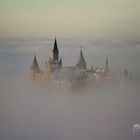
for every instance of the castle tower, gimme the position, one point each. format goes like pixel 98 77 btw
pixel 54 65
pixel 55 54
pixel 60 62
pixel 81 63
pixel 35 72
pixel 34 66
pixel 106 65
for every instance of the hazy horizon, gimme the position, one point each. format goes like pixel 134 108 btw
pixel 102 27
pixel 17 53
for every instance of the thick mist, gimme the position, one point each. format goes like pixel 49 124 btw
pixel 33 112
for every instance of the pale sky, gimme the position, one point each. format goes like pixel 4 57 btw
pixel 70 18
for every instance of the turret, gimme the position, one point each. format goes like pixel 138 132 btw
pixel 34 66
pixel 81 63
pixel 106 65
pixel 35 72
pixel 55 51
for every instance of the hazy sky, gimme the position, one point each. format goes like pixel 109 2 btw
pixel 70 18
pixel 102 26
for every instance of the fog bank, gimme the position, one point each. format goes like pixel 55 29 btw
pixel 33 112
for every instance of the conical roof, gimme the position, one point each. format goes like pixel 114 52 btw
pixel 55 48
pixel 34 65
pixel 81 60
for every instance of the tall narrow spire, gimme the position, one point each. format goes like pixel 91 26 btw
pixel 60 62
pixel 55 50
pixel 81 63
pixel 106 65
pixel 34 65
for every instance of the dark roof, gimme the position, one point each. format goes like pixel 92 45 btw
pixel 34 65
pixel 55 48
pixel 81 60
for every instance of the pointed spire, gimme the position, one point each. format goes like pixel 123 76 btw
pixel 81 60
pixel 60 62
pixel 55 50
pixel 34 65
pixel 106 65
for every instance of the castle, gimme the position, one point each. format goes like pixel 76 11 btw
pixel 55 72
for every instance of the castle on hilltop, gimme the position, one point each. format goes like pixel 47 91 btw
pixel 79 74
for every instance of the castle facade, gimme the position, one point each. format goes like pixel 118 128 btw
pixel 55 72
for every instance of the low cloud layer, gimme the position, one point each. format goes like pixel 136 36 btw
pixel 34 112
